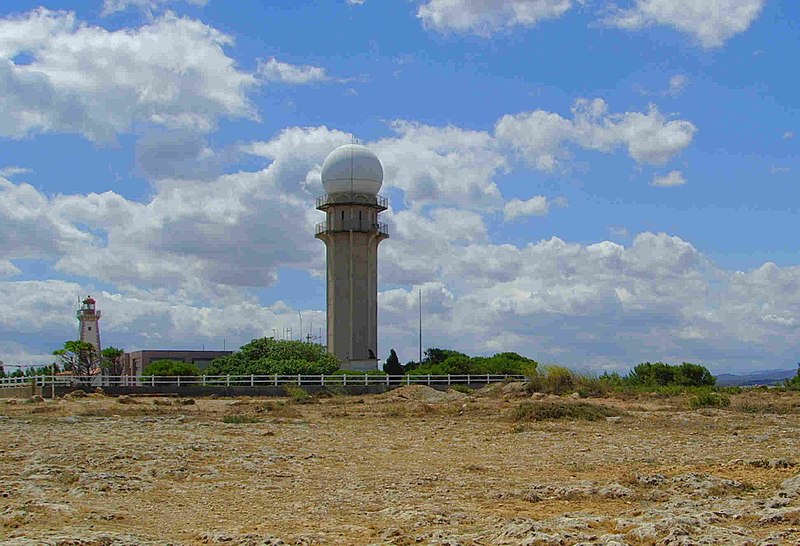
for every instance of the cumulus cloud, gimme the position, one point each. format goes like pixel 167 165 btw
pixel 197 236
pixel 114 6
pixel 541 137
pixel 710 22
pixel 674 178
pixel 442 165
pixel 98 83
pixel 294 74
pixel 486 17
pixel 538 205
pixel 788 135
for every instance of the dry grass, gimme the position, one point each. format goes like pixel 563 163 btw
pixel 376 470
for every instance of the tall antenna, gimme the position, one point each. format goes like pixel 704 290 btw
pixel 299 314
pixel 420 326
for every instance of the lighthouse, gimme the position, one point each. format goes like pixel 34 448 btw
pixel 352 176
pixel 89 326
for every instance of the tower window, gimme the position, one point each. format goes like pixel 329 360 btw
pixel 90 328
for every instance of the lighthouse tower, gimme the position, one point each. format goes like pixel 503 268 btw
pixel 89 325
pixel 351 177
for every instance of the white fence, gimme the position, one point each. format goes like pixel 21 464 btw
pixel 342 380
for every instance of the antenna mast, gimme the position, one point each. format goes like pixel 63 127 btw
pixel 420 326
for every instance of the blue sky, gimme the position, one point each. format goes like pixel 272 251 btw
pixel 586 183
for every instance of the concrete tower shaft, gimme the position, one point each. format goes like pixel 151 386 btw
pixel 352 233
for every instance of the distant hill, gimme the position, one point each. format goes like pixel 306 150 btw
pixel 764 377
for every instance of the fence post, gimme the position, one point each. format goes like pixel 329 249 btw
pixel 487 378
pixel 468 378
pixel 252 380
pixel 298 380
pixel 228 380
pixel 344 380
pixel 152 380
pixel 448 379
pixel 322 379
pixel 429 380
pixel 276 380
pixel 408 379
pixel 179 381
pixel 387 378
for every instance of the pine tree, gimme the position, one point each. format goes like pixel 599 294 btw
pixel 392 365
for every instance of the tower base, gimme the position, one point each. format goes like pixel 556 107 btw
pixel 366 365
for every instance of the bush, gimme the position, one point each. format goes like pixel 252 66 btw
pixel 268 356
pixel 659 374
pixel 454 363
pixel 171 368
pixel 297 394
pixel 541 411
pixel 793 384
pixel 462 388
pixel 709 400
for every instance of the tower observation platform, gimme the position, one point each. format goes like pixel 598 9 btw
pixel 352 176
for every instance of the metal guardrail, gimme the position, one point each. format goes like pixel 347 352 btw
pixel 326 200
pixel 257 380
pixel 346 225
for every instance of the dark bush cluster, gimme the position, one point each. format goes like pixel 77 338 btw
pixel 659 374
pixel 443 362
pixel 267 356
pixel 171 368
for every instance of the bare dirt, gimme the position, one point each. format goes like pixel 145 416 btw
pixel 408 467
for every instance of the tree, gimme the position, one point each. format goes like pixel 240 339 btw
pixel 171 368
pixel 392 365
pixel 77 357
pixel 2 370
pixel 112 360
pixel 266 356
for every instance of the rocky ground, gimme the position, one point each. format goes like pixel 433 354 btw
pixel 412 466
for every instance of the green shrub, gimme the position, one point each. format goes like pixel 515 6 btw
pixel 660 374
pixel 462 388
pixel 446 362
pixel 268 356
pixel 793 384
pixel 541 411
pixel 297 394
pixel 240 419
pixel 709 400
pixel 171 368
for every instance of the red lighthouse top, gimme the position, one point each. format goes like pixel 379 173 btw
pixel 89 299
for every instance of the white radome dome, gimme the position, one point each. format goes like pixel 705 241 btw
pixel 352 168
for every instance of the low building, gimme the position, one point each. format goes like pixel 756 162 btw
pixel 134 363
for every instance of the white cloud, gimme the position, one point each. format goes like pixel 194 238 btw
pixel 537 205
pixel 8 269
pixel 674 178
pixel 8 172
pixel 442 165
pixel 199 237
pixel 486 17
pixel 788 135
pixel 275 71
pixel 677 83
pixel 84 79
pixel 541 136
pixel 355 2
pixel 618 231
pixel 711 22
pixel 114 6
pixel 779 170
